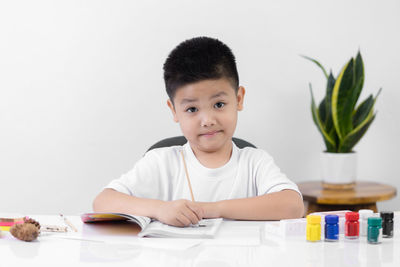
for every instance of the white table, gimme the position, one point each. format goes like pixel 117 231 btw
pixel 70 250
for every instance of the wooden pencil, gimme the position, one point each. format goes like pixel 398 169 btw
pixel 187 176
pixel 190 188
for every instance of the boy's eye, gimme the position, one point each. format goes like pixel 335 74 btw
pixel 219 105
pixel 191 109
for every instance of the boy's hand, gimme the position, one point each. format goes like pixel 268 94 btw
pixel 180 212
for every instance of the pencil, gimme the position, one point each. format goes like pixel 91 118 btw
pixel 190 188
pixel 187 176
pixel 67 222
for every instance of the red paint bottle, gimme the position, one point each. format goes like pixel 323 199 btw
pixel 352 227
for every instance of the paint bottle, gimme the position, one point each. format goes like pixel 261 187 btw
pixel 374 230
pixel 313 229
pixel 364 214
pixel 331 228
pixel 387 224
pixel 351 227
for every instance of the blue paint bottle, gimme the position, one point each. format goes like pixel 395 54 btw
pixel 331 228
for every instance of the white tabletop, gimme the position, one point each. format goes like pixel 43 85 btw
pixel 239 243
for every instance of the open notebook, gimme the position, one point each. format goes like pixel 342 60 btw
pixel 152 228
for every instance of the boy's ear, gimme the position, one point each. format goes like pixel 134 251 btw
pixel 172 108
pixel 240 97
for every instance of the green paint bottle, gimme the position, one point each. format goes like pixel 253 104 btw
pixel 374 230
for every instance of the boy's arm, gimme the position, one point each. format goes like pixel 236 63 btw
pixel 110 200
pixel 178 213
pixel 286 204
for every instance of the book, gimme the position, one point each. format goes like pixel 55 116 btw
pixel 6 221
pixel 153 228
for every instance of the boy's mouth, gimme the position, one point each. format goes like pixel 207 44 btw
pixel 210 134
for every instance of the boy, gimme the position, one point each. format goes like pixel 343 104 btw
pixel 204 97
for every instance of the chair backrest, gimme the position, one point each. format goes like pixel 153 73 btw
pixel 181 140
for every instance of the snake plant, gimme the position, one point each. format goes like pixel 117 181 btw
pixel 341 122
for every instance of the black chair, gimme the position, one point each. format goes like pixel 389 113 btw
pixel 181 140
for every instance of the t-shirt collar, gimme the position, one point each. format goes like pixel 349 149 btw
pixel 195 165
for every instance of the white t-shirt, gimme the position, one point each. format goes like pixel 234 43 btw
pixel 160 174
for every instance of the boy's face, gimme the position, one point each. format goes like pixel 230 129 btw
pixel 207 113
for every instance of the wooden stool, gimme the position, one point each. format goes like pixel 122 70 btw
pixel 363 196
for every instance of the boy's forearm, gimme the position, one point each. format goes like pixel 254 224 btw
pixel 110 200
pixel 285 204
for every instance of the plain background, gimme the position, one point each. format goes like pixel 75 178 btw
pixel 82 95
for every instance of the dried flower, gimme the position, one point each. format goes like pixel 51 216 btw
pixel 27 231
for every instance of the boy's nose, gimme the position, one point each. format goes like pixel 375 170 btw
pixel 207 119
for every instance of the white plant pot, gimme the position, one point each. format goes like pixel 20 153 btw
pixel 339 168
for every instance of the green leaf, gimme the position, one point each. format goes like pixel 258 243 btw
pixel 318 64
pixel 315 114
pixel 329 147
pixel 342 106
pixel 328 103
pixel 325 117
pixel 379 92
pixel 362 111
pixel 322 110
pixel 359 79
pixel 355 135
pixel 352 139
pixel 333 135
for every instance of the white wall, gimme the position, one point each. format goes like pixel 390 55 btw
pixel 82 95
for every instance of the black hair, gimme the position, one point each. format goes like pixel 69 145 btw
pixel 198 59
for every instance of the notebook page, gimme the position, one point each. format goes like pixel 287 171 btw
pixel 158 229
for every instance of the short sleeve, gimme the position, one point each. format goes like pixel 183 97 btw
pixel 270 179
pixel 147 179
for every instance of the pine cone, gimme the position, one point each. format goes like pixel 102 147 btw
pixel 25 231
pixel 32 221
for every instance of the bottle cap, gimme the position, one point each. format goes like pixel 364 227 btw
pixel 331 219
pixel 387 215
pixel 364 214
pixel 352 216
pixel 375 221
pixel 313 219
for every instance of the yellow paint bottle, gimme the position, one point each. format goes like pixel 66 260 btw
pixel 313 228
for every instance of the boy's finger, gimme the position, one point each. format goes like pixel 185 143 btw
pixel 197 210
pixel 178 223
pixel 194 210
pixel 191 215
pixel 183 220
